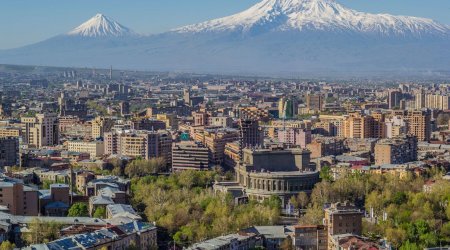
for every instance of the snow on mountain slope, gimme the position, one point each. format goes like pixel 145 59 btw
pixel 101 26
pixel 325 15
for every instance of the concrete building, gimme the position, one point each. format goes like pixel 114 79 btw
pixel 10 131
pixel 137 143
pixel 251 134
pixel 314 102
pixel 9 151
pixel 324 146
pixel 171 120
pixel 310 237
pixel 215 140
pixel 267 172
pixel 18 198
pixel 101 125
pixel 147 124
pixel 93 148
pixel 396 126
pixel 190 156
pixel 396 151
pixel 295 136
pixel 41 130
pixel 394 98
pixel 342 218
pixel 418 123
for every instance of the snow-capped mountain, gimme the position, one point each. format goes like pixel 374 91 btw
pixel 325 15
pixel 282 37
pixel 101 26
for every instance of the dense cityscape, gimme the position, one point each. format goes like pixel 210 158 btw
pixel 110 159
pixel 225 125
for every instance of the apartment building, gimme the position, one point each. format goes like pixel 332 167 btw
pixel 41 130
pixel 215 140
pixel 18 199
pixel 93 148
pixel 396 150
pixel 190 156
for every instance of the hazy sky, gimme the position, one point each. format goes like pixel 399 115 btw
pixel 24 22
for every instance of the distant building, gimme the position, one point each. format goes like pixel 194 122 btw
pixel 137 143
pixel 94 148
pixel 396 151
pixel 9 151
pixel 190 156
pixel 41 130
pixel 295 136
pixel 101 125
pixel 215 140
pixel 251 134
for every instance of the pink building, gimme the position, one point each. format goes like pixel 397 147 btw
pixel 295 136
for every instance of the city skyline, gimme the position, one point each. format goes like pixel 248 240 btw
pixel 151 17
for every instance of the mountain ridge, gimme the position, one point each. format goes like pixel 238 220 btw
pixel 325 15
pixel 271 37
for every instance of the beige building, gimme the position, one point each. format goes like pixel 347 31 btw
pixel 139 143
pixel 171 120
pixel 10 132
pixel 418 123
pixel 101 125
pixel 41 130
pixel 94 148
pixel 215 140
pixel 396 151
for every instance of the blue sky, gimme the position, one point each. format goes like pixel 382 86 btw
pixel 27 21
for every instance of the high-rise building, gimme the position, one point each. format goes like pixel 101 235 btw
pixel 396 126
pixel 418 123
pixel 187 97
pixel 41 130
pixel 394 97
pixel 251 134
pixel 124 108
pixel 287 108
pixel 314 102
pixel 396 150
pixel 190 156
pixel 437 101
pixel 100 125
pixel 9 151
pixel 419 99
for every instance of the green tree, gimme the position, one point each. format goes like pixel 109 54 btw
pixel 6 245
pixel 79 209
pixel 40 231
pixel 325 173
pixel 100 212
pixel 141 167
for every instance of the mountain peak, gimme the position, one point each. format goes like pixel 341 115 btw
pixel 101 26
pixel 317 15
